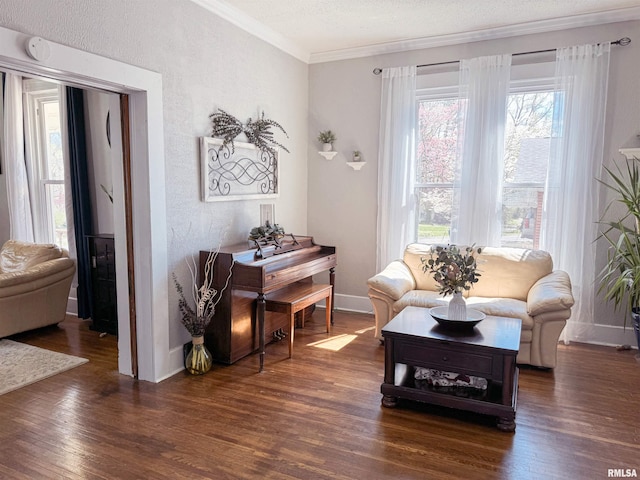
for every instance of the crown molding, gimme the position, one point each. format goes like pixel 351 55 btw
pixel 254 27
pixel 541 26
pixel 249 24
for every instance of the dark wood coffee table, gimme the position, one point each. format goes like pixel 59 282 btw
pixel 414 339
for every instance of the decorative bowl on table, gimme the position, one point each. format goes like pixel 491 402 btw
pixel 440 315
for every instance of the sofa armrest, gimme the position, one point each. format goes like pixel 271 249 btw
pixel 394 281
pixel 13 283
pixel 549 294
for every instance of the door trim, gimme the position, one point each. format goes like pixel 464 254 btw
pixel 149 230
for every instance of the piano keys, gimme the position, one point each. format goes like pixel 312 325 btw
pixel 241 325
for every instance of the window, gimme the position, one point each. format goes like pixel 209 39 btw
pixel 435 166
pixel 46 162
pixel 527 143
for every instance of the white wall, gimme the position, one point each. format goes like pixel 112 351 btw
pixel 205 63
pixel 99 153
pixel 345 97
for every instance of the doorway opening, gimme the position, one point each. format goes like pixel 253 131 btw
pixel 69 153
pixel 145 242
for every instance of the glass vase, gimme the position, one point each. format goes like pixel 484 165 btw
pixel 199 359
pixel 457 307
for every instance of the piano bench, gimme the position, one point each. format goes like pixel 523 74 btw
pixel 296 297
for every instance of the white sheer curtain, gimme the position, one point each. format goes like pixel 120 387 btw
pixel 571 204
pixel 396 172
pixel 68 197
pixel 20 217
pixel 477 206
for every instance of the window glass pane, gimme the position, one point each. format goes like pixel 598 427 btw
pixel 521 208
pixel 435 167
pixel 53 141
pixel 527 141
pixel 527 132
pixel 437 141
pixel 435 214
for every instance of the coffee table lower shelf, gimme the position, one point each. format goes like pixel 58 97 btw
pixel 491 405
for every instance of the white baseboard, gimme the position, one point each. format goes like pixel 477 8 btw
pixel 72 306
pixel 176 362
pixel 72 301
pixel 350 303
pixel 607 335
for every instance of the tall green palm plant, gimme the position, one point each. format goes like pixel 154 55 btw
pixel 620 277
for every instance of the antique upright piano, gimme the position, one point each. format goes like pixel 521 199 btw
pixel 241 324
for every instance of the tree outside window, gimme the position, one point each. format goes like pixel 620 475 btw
pixel 527 143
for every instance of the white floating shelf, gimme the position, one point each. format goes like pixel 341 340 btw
pixel 356 165
pixel 328 155
pixel 631 148
pixel 630 153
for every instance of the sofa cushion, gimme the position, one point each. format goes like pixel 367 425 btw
pixel 413 255
pixel 420 298
pixel 16 256
pixel 502 307
pixel 510 272
pixel 499 307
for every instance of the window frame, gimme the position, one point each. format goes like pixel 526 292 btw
pixel 36 94
pixel 527 78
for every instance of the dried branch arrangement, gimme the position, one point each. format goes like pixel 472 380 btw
pixel 204 297
pixel 258 132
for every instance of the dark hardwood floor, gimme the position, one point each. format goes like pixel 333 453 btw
pixel 317 415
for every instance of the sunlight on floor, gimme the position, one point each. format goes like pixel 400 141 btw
pixel 334 343
pixel 365 330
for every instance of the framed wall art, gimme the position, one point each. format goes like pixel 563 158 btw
pixel 237 171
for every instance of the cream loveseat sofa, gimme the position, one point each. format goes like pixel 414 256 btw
pixel 514 283
pixel 34 285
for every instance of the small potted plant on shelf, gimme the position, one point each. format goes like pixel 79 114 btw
pixel 620 277
pixel 356 156
pixel 455 271
pixel 326 138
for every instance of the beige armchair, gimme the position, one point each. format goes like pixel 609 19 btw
pixel 35 280
pixel 514 282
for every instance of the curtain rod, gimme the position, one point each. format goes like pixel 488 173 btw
pixel 622 42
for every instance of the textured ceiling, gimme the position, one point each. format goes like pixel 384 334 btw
pixel 318 26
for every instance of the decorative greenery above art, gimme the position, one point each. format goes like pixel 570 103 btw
pixel 258 132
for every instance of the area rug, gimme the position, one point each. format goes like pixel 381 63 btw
pixel 22 364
